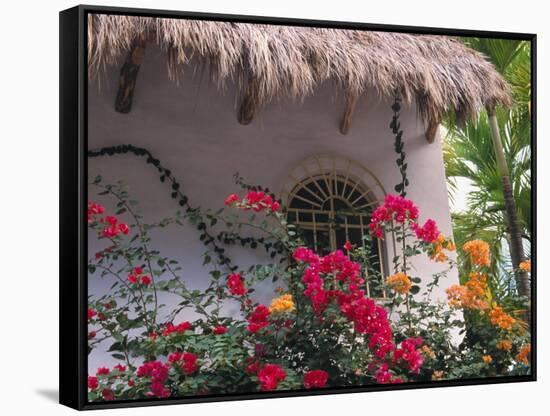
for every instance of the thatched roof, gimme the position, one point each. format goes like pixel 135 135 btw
pixel 438 72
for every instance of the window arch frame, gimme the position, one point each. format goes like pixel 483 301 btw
pixel 337 170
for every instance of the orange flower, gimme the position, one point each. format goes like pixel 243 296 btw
pixel 399 283
pixel 479 252
pixel 501 319
pixel 436 250
pixel 450 245
pixel 523 354
pixel 437 375
pixel 504 345
pixel 472 295
pixel 525 266
pixel 487 359
pixel 428 352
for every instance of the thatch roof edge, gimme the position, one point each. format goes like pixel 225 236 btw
pixel 438 72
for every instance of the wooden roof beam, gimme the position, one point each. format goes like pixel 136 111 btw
pixel 128 76
pixel 345 124
pixel 431 131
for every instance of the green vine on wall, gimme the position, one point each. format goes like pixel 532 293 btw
pixel 201 221
pixel 395 127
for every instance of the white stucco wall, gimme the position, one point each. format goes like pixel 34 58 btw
pixel 192 128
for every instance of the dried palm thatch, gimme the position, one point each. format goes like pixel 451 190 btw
pixel 270 61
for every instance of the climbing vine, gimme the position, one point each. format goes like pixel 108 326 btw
pixel 200 220
pixel 395 127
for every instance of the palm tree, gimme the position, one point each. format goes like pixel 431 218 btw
pixel 493 153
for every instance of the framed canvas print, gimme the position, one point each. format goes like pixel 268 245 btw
pixel 258 207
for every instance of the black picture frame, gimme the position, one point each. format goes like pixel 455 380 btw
pixel 73 124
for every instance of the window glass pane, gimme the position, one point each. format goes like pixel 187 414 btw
pixel 340 215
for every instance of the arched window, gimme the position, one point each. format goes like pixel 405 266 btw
pixel 331 199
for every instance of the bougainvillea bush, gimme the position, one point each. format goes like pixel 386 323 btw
pixel 320 330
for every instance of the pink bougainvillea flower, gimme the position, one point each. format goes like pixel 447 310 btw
pixel 348 246
pixel 305 255
pixel 269 376
pixel 92 382
pixel 219 330
pixel 395 208
pixel 428 232
pixel 409 353
pixel 315 379
pixel 236 285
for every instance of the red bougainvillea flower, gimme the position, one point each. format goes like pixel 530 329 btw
pixel 158 389
pixel 315 379
pixel 252 366
pixel 179 328
pixel 269 376
pixel 92 334
pixel 258 319
pixel 91 313
pixel 94 209
pixel 158 372
pixel 123 228
pixel 110 231
pixel 348 246
pixel 368 317
pixel 254 200
pixel 92 383
pixel 219 330
pixel 428 232
pixel 231 199
pixel 120 368
pixel 113 227
pixel 137 276
pixel 384 376
pixel 131 383
pixel 108 394
pixel 187 361
pixel 101 371
pixel 236 285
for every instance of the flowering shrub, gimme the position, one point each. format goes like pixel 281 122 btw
pixel 321 330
